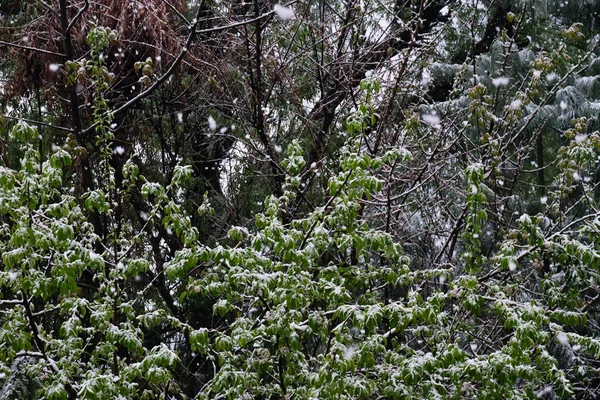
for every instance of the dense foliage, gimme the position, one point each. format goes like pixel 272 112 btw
pixel 321 199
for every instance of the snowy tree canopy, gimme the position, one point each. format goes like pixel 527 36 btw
pixel 304 200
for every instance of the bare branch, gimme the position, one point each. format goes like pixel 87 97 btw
pixel 19 46
pixel 79 14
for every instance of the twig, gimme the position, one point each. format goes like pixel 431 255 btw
pixel 79 14
pixel 62 128
pixel 20 46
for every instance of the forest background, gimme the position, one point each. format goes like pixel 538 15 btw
pixel 358 199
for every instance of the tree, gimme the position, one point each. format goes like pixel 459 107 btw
pixel 386 199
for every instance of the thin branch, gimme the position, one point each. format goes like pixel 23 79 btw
pixel 79 14
pixel 32 121
pixel 172 7
pixel 242 23
pixel 19 46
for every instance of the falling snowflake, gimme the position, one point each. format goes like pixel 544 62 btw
pixel 501 81
pixel 350 351
pixel 516 104
pixel 284 13
pixel 562 338
pixel 432 120
pixel 212 124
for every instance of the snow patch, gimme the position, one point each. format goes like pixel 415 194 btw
pixel 544 391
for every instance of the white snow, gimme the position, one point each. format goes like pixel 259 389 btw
pixel 562 338
pixel 516 104
pixel 350 351
pixel 551 77
pixel 512 265
pixel 501 81
pixel 431 119
pixel 544 391
pixel 54 67
pixel 212 124
pixel 284 13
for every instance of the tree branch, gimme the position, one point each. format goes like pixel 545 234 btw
pixel 19 46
